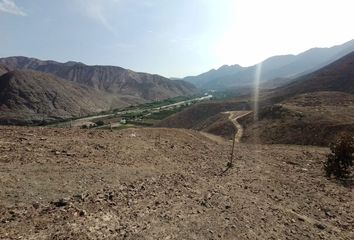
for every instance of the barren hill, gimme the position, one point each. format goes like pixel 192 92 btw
pixel 114 80
pixel 34 97
pixel 307 119
pixel 163 184
pixel 200 115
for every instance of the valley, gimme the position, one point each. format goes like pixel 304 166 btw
pixel 103 152
pixel 135 116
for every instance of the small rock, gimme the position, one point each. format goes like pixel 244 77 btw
pixel 61 202
pixel 35 205
pixel 82 213
pixel 320 226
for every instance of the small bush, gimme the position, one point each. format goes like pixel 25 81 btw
pixel 99 123
pixel 340 160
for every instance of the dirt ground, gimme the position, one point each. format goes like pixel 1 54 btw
pixel 164 184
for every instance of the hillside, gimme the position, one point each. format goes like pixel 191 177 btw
pixel 307 119
pixel 163 184
pixel 198 116
pixel 3 70
pixel 313 109
pixel 110 79
pixel 34 97
pixel 277 67
pixel 337 76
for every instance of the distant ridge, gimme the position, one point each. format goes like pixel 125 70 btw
pixel 282 68
pixel 337 76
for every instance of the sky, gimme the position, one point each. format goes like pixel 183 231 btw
pixel 173 38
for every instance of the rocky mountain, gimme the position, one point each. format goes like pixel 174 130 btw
pixel 32 97
pixel 110 79
pixel 278 67
pixel 3 70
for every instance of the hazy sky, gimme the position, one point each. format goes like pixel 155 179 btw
pixel 171 37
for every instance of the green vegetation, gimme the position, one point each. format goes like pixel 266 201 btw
pixel 340 160
pixel 147 114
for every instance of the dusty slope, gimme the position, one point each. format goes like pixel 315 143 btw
pixel 111 79
pixel 309 119
pixel 33 97
pixel 198 115
pixel 163 184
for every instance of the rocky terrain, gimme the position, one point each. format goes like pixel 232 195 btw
pixel 33 97
pixel 306 119
pixel 3 70
pixel 164 184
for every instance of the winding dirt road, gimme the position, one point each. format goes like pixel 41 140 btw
pixel 234 116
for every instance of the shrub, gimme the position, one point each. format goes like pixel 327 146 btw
pixel 99 123
pixel 340 160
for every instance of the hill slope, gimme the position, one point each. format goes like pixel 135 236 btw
pixel 278 67
pixel 163 184
pixel 3 70
pixel 200 115
pixel 313 109
pixel 308 119
pixel 33 97
pixel 114 80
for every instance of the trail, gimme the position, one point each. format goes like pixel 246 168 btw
pixel 234 116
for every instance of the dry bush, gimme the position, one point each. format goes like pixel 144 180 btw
pixel 340 160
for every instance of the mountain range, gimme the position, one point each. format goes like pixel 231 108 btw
pixel 32 90
pixel 275 71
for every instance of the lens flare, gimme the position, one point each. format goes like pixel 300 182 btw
pixel 257 80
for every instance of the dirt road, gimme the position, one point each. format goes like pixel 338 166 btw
pixel 234 116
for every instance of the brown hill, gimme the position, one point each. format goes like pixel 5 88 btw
pixel 34 97
pixel 308 119
pixel 114 80
pixel 198 116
